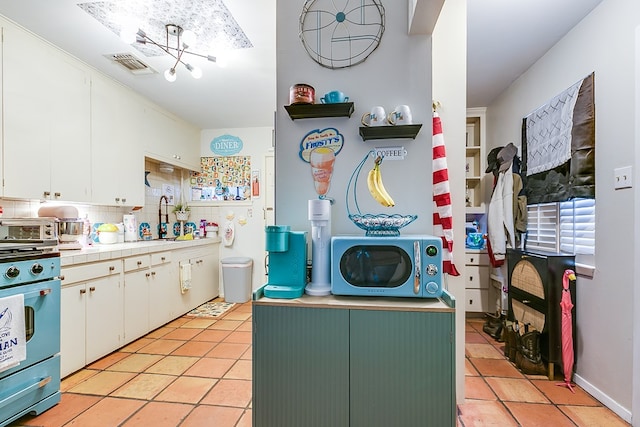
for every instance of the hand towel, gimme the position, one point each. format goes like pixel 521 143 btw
pixel 13 343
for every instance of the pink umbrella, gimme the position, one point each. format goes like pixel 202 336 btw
pixel 567 329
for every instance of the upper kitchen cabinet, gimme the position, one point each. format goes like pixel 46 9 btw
pixel 170 140
pixel 46 96
pixel 475 161
pixel 117 159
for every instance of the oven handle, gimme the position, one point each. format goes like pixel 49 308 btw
pixel 38 293
pixel 12 398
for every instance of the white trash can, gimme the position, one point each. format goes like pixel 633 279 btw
pixel 236 278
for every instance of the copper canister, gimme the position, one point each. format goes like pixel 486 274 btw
pixel 302 93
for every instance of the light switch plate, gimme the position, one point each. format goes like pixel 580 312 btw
pixel 623 177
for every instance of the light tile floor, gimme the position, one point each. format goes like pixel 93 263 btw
pixel 498 394
pixel 197 372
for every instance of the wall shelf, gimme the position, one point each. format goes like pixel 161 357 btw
pixel 314 111
pixel 389 132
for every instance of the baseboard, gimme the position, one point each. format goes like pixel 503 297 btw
pixel 594 391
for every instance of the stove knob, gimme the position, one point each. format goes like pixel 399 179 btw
pixel 37 269
pixel 12 272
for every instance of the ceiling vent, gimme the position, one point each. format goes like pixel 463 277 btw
pixel 131 63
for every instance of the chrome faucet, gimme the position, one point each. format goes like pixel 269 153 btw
pixel 162 231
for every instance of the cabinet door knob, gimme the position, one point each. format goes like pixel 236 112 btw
pixel 111 268
pixel 471 259
pixel 47 194
pixel 153 273
pixel 139 262
pixel 92 288
pixel 83 291
pixel 147 274
pixel 57 195
pixel 117 199
pixel 61 277
pixel 526 301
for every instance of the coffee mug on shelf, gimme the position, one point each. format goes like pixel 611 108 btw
pixel 377 117
pixel 334 97
pixel 401 115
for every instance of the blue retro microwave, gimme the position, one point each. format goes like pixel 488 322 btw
pixel 398 266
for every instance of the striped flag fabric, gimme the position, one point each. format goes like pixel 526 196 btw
pixel 442 210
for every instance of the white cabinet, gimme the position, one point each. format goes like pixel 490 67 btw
pixel 170 140
pixel 117 159
pixel 91 313
pixel 477 281
pixel 164 290
pixel 205 275
pixel 136 296
pixel 46 107
pixel 475 164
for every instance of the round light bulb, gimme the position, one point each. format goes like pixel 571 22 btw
pixel 196 72
pixel 170 75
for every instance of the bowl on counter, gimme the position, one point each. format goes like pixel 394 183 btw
pixel 107 234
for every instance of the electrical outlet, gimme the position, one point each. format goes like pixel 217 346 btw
pixel 623 177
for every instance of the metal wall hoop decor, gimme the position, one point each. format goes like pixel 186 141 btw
pixel 339 34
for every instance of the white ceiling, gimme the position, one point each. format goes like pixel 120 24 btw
pixel 504 38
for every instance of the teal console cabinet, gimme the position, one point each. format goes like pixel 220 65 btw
pixel 350 361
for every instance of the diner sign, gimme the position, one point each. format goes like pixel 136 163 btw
pixel 226 145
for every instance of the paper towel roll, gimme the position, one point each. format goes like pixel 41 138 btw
pixel 130 228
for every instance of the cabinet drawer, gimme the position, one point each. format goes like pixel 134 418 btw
pixel 477 277
pixel 476 258
pixel 477 300
pixel 84 272
pixel 137 262
pixel 160 258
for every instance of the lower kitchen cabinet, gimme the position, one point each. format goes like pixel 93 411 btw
pixel 205 286
pixel 163 290
pixel 91 317
pixel 204 276
pixel 327 361
pixel 136 296
pixel 108 304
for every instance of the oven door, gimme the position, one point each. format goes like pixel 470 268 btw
pixel 42 321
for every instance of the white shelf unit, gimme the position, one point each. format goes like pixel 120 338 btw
pixel 475 164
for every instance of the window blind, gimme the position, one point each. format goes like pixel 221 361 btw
pixel 566 227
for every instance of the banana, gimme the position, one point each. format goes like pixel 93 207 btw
pixel 376 187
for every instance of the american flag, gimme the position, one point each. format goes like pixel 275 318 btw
pixel 442 211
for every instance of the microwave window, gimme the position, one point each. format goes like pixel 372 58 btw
pixel 375 266
pixel 20 232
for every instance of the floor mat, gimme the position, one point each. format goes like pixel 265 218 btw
pixel 211 309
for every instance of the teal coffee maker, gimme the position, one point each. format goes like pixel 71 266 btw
pixel 287 262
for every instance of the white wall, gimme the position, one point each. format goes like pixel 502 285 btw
pixel 249 238
pixel 397 72
pixel 604 43
pixel 449 88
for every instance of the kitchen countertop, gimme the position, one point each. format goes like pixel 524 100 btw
pixel 444 304
pixel 100 252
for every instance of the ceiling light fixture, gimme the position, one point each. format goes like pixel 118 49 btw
pixel 183 39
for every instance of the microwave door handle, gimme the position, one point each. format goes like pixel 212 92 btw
pixel 416 277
